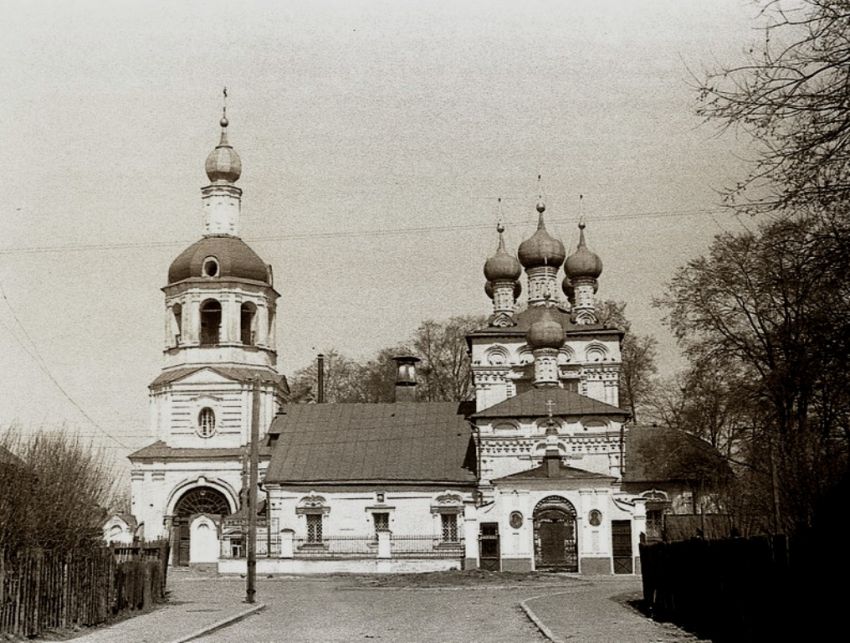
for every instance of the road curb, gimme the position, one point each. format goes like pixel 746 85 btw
pixel 222 623
pixel 539 624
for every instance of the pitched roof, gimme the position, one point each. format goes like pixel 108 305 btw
pixel 564 472
pixel 159 450
pixel 533 403
pixel 404 442
pixel 231 372
pixel 658 454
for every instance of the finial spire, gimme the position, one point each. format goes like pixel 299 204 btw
pixel 224 122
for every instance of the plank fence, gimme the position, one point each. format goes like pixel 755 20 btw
pixel 42 590
pixel 734 589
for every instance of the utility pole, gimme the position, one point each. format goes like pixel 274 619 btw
pixel 252 491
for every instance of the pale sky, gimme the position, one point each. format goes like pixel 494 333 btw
pixel 354 121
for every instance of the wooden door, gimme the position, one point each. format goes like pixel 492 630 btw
pixel 621 541
pixel 489 552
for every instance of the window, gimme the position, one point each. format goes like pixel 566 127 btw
pixel 382 522
pixel 210 267
pixel 210 322
pixel 449 522
pixel 206 422
pixel 246 321
pixel 314 528
pixel 177 311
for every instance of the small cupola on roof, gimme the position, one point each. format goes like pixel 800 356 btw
pixel 502 272
pixel 583 268
pixel 546 337
pixel 541 255
pixel 223 163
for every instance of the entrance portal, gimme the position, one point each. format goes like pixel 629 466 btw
pixel 555 541
pixel 201 500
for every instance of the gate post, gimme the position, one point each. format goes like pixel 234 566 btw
pixel 470 538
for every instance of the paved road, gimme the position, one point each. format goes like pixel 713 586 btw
pixel 340 609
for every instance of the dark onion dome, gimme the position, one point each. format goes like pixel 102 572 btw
pixel 583 262
pixel 223 163
pixel 541 249
pixel 502 266
pixel 568 288
pixel 233 256
pixel 546 332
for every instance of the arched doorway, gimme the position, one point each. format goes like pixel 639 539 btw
pixel 555 539
pixel 200 500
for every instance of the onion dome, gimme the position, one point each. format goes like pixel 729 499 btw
pixel 502 266
pixel 219 257
pixel 541 249
pixel 546 332
pixel 583 262
pixel 223 163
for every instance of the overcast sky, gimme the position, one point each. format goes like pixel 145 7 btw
pixel 354 121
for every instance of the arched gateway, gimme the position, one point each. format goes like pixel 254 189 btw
pixel 555 540
pixel 200 500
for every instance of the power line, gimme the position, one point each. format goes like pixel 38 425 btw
pixel 87 247
pixel 33 352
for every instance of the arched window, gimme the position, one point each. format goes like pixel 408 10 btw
pixel 247 316
pixel 177 325
pixel 206 422
pixel 210 322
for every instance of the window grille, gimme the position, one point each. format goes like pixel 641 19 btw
pixel 449 522
pixel 314 528
pixel 382 522
pixel 206 422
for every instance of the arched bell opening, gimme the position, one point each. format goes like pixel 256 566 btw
pixel 210 323
pixel 555 535
pixel 248 323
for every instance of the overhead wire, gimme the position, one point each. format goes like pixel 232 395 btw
pixel 379 232
pixel 34 353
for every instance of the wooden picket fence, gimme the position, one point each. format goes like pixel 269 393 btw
pixel 42 590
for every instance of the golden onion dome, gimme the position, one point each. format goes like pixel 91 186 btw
pixel 502 266
pixel 541 249
pixel 223 163
pixel 583 262
pixel 546 332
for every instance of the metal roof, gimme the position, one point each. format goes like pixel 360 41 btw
pixel 234 373
pixel 533 403
pixel 404 442
pixel 159 450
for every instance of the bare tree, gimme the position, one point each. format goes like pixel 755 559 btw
pixel 791 98
pixel 638 352
pixel 772 308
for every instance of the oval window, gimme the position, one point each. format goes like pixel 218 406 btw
pixel 206 422
pixel 210 267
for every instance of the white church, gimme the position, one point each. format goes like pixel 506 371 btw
pixel 531 474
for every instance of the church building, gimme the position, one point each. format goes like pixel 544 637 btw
pixel 219 312
pixel 528 475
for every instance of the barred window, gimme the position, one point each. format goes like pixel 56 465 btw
pixel 314 528
pixel 206 422
pixel 449 522
pixel 382 522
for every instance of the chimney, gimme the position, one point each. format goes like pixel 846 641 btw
pixel 320 377
pixel 405 379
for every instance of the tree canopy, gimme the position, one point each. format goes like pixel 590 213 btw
pixel 763 319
